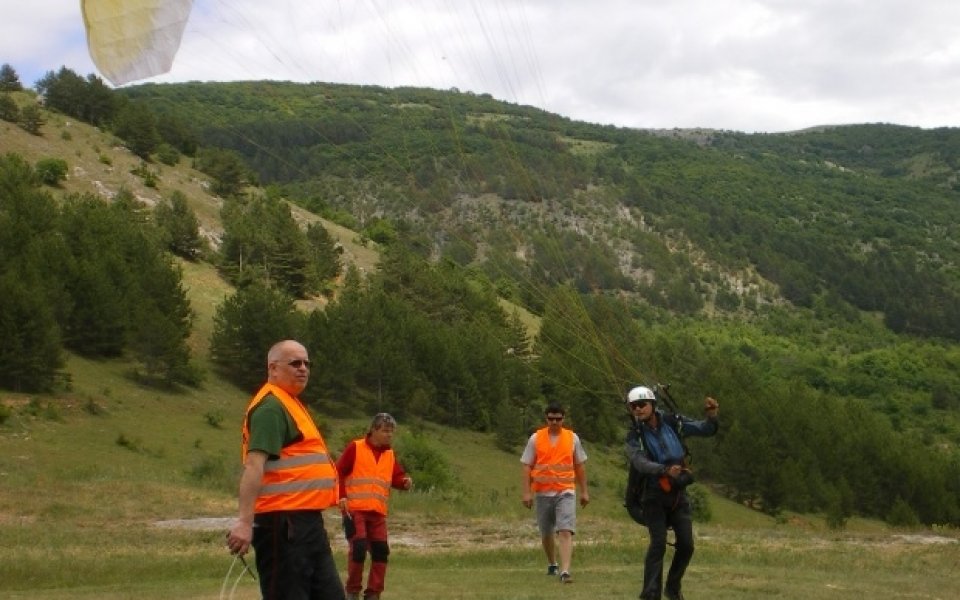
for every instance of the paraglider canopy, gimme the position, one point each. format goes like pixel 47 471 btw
pixel 134 39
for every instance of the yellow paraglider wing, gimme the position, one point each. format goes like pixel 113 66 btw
pixel 134 39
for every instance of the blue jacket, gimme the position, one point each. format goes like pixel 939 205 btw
pixel 650 451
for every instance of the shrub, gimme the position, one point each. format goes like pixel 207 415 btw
pixel 428 468
pixel 699 504
pixel 150 178
pixel 212 471
pixel 901 515
pixel 134 445
pixel 92 408
pixel 31 119
pixel 167 154
pixel 51 171
pixel 214 419
pixel 349 434
pixel 9 111
pixel 47 411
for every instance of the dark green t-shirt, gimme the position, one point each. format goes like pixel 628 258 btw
pixel 271 427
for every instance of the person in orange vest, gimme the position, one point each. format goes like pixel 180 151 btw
pixel 368 469
pixel 288 480
pixel 553 467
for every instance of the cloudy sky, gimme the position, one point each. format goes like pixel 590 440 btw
pixel 745 65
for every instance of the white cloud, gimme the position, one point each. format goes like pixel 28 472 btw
pixel 751 65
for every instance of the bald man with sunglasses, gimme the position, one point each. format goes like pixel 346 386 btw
pixel 288 480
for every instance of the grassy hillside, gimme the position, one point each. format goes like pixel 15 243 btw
pixel 99 164
pixel 110 490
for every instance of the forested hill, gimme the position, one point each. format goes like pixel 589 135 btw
pixel 863 215
pixel 809 281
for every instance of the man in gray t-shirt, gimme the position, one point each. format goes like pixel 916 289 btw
pixel 553 467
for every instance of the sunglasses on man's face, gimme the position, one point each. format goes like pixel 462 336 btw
pixel 296 364
pixel 555 419
pixel 639 403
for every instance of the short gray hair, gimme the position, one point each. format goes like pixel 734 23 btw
pixel 381 420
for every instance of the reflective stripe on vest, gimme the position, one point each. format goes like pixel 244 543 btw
pixel 553 471
pixel 368 485
pixel 303 477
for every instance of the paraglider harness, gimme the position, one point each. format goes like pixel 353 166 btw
pixel 637 481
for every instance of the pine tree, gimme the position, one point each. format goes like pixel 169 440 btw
pixel 246 325
pixel 9 80
pixel 137 127
pixel 30 346
pixel 179 226
pixel 31 119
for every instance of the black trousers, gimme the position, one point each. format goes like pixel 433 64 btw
pixel 293 555
pixel 669 510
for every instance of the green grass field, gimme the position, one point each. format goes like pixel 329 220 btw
pixel 90 479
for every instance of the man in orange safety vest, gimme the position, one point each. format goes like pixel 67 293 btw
pixel 553 467
pixel 369 469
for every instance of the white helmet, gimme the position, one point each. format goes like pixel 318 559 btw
pixel 641 393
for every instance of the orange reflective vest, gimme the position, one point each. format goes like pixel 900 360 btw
pixel 368 484
pixel 303 477
pixel 553 471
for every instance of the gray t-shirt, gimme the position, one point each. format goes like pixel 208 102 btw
pixel 529 456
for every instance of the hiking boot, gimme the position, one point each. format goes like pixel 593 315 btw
pixel 670 595
pixel 552 570
pixel 565 577
pixel 372 597
pixel 353 596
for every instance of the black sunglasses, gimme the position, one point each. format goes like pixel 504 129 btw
pixel 555 419
pixel 296 364
pixel 639 403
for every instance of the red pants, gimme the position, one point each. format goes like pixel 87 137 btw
pixel 370 536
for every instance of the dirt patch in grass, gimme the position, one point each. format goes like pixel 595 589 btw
pixel 425 536
pixel 429 536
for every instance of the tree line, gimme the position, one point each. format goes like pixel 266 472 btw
pixel 88 277
pixel 427 339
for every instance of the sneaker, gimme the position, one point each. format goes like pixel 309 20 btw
pixel 565 577
pixel 553 570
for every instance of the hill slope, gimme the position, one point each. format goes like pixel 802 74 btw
pixel 856 213
pixel 614 257
pixel 100 164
